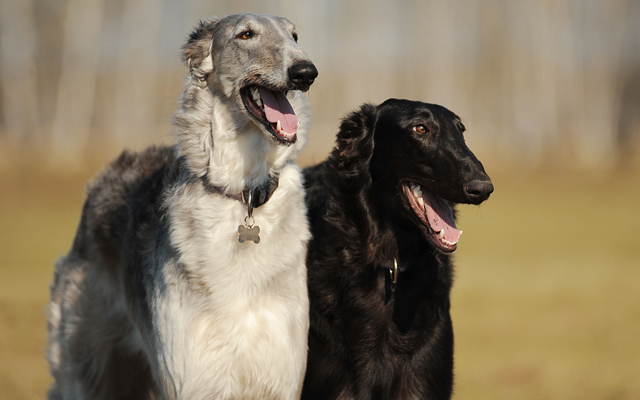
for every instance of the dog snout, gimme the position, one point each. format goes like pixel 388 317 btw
pixel 302 75
pixel 478 190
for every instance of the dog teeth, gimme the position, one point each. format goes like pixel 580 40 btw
pixel 417 192
pixel 284 134
pixel 445 241
pixel 255 93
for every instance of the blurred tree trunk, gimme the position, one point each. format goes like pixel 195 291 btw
pixel 533 73
pixel 628 129
pixel 18 49
pixel 137 79
pixel 77 85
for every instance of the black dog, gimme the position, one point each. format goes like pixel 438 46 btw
pixel 382 220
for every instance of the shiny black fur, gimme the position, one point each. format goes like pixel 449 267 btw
pixel 365 341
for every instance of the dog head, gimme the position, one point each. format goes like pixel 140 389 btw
pixel 255 62
pixel 419 165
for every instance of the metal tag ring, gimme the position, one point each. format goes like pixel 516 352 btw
pixel 393 273
pixel 250 204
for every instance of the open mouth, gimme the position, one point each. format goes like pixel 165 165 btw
pixel 435 214
pixel 273 110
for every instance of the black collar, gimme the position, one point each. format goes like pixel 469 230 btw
pixel 259 195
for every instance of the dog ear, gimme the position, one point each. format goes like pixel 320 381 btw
pixel 196 53
pixel 355 138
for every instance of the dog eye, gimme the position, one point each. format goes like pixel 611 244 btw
pixel 461 127
pixel 420 128
pixel 248 34
pixel 295 36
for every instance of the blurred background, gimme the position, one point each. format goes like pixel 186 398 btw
pixel 546 303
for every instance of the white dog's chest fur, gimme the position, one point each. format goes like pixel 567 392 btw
pixel 241 321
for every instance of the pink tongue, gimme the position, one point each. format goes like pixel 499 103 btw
pixel 277 108
pixel 440 217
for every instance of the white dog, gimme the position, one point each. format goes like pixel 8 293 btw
pixel 187 279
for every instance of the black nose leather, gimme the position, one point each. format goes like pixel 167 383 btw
pixel 302 75
pixel 478 190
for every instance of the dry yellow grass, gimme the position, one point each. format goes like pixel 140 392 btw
pixel 547 300
pixel 38 215
pixel 546 303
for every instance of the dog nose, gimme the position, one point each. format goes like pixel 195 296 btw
pixel 302 75
pixel 478 190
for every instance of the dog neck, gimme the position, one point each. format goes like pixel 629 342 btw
pixel 220 141
pixel 259 195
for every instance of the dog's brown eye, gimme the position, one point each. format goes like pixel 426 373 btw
pixel 246 35
pixel 420 128
pixel 295 36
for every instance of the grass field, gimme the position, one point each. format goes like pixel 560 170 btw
pixel 546 303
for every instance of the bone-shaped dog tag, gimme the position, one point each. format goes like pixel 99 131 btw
pixel 248 232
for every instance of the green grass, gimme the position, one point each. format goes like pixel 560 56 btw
pixel 546 303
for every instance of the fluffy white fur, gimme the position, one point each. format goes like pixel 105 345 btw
pixel 253 310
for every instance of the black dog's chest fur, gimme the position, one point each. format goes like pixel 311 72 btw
pixel 365 342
